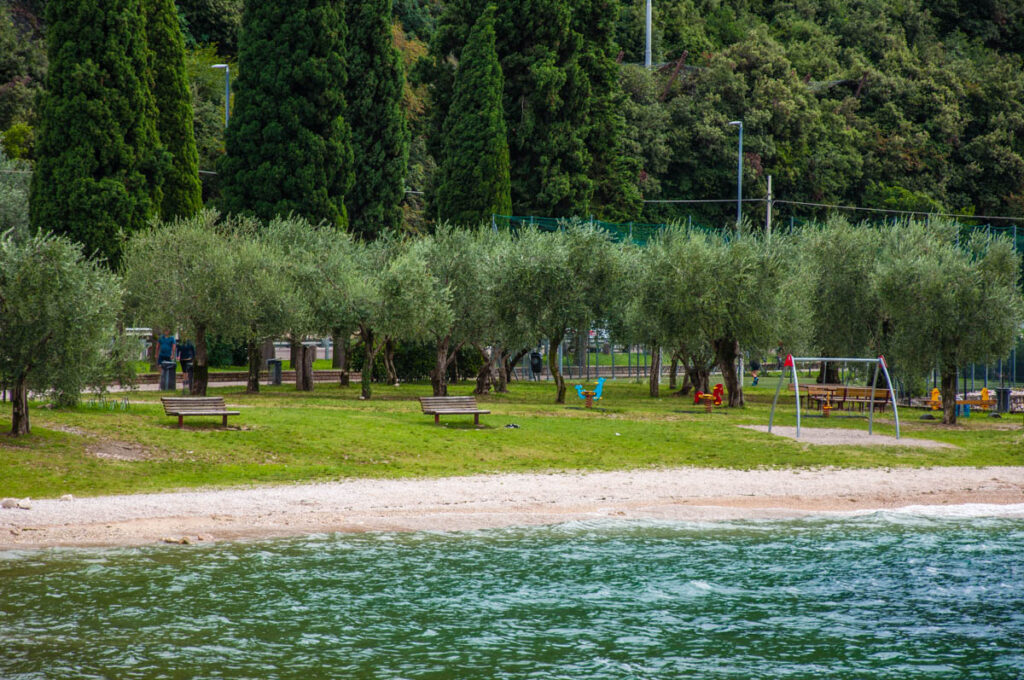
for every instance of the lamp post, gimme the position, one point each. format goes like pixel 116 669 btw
pixel 227 91
pixel 647 42
pixel 739 176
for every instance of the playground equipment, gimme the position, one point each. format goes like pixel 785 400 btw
pixel 714 398
pixel 880 366
pixel 590 396
pixel 984 402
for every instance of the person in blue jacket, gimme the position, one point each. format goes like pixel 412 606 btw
pixel 166 346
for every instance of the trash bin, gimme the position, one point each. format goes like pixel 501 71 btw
pixel 1003 399
pixel 963 410
pixel 274 368
pixel 167 375
pixel 536 364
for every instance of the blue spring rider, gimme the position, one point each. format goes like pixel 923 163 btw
pixel 590 396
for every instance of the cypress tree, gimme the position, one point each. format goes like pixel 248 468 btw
pixel 380 134
pixel 614 172
pixel 288 143
pixel 545 99
pixel 474 168
pixel 183 195
pixel 99 167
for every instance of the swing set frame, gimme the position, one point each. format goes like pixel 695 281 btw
pixel 880 366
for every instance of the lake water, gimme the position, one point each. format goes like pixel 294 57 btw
pixel 886 595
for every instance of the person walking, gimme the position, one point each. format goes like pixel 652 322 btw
pixel 186 355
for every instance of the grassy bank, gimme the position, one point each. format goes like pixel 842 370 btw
pixel 287 436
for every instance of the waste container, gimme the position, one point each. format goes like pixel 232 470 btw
pixel 1003 399
pixel 274 368
pixel 167 375
pixel 536 364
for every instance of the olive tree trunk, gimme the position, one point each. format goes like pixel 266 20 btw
pixel 726 352
pixel 200 365
pixel 654 377
pixel 255 353
pixel 19 400
pixel 339 359
pixel 556 372
pixel 948 387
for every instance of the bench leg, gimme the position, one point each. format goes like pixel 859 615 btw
pixel 437 419
pixel 476 419
pixel 181 421
pixel 224 420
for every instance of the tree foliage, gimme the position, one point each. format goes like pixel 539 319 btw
pixel 380 134
pixel 57 317
pixel 288 145
pixel 100 164
pixel 949 304
pixel 474 172
pixel 182 196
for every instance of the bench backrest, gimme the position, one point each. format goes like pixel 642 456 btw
pixel 441 403
pixel 881 393
pixel 192 403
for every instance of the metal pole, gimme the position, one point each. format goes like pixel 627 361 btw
pixel 739 176
pixel 871 407
pixel 227 91
pixel 892 395
pixel 796 390
pixel 768 212
pixel 647 43
pixel 611 349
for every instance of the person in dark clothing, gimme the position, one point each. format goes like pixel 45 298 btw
pixel 186 355
pixel 755 369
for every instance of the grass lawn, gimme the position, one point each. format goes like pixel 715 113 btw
pixel 288 436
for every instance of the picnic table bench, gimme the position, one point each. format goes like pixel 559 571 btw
pixel 196 406
pixel 447 406
pixel 838 396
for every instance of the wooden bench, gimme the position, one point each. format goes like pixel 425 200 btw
pixel 196 406
pixel 449 406
pixel 862 396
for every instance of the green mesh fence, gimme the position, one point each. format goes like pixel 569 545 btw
pixel 637 232
pixel 641 232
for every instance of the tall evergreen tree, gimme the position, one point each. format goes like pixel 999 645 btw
pixel 546 101
pixel 288 143
pixel 615 172
pixel 475 165
pixel 183 194
pixel 99 168
pixel 380 134
pixel 545 98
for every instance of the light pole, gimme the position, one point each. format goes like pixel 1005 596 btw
pixel 647 43
pixel 227 91
pixel 739 176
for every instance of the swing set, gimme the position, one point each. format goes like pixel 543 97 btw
pixel 829 395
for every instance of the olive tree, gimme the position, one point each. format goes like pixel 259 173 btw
pixel 949 304
pixel 844 312
pixel 319 264
pixel 732 292
pixel 186 275
pixel 562 280
pixel 454 260
pixel 399 298
pixel 58 312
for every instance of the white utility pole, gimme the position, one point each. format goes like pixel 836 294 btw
pixel 647 48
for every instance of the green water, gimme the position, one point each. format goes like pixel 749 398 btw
pixel 882 596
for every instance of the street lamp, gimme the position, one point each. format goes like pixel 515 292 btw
pixel 647 42
pixel 739 176
pixel 227 91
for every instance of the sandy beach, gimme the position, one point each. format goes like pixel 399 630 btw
pixel 490 501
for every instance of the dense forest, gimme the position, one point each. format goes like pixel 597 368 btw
pixel 896 104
